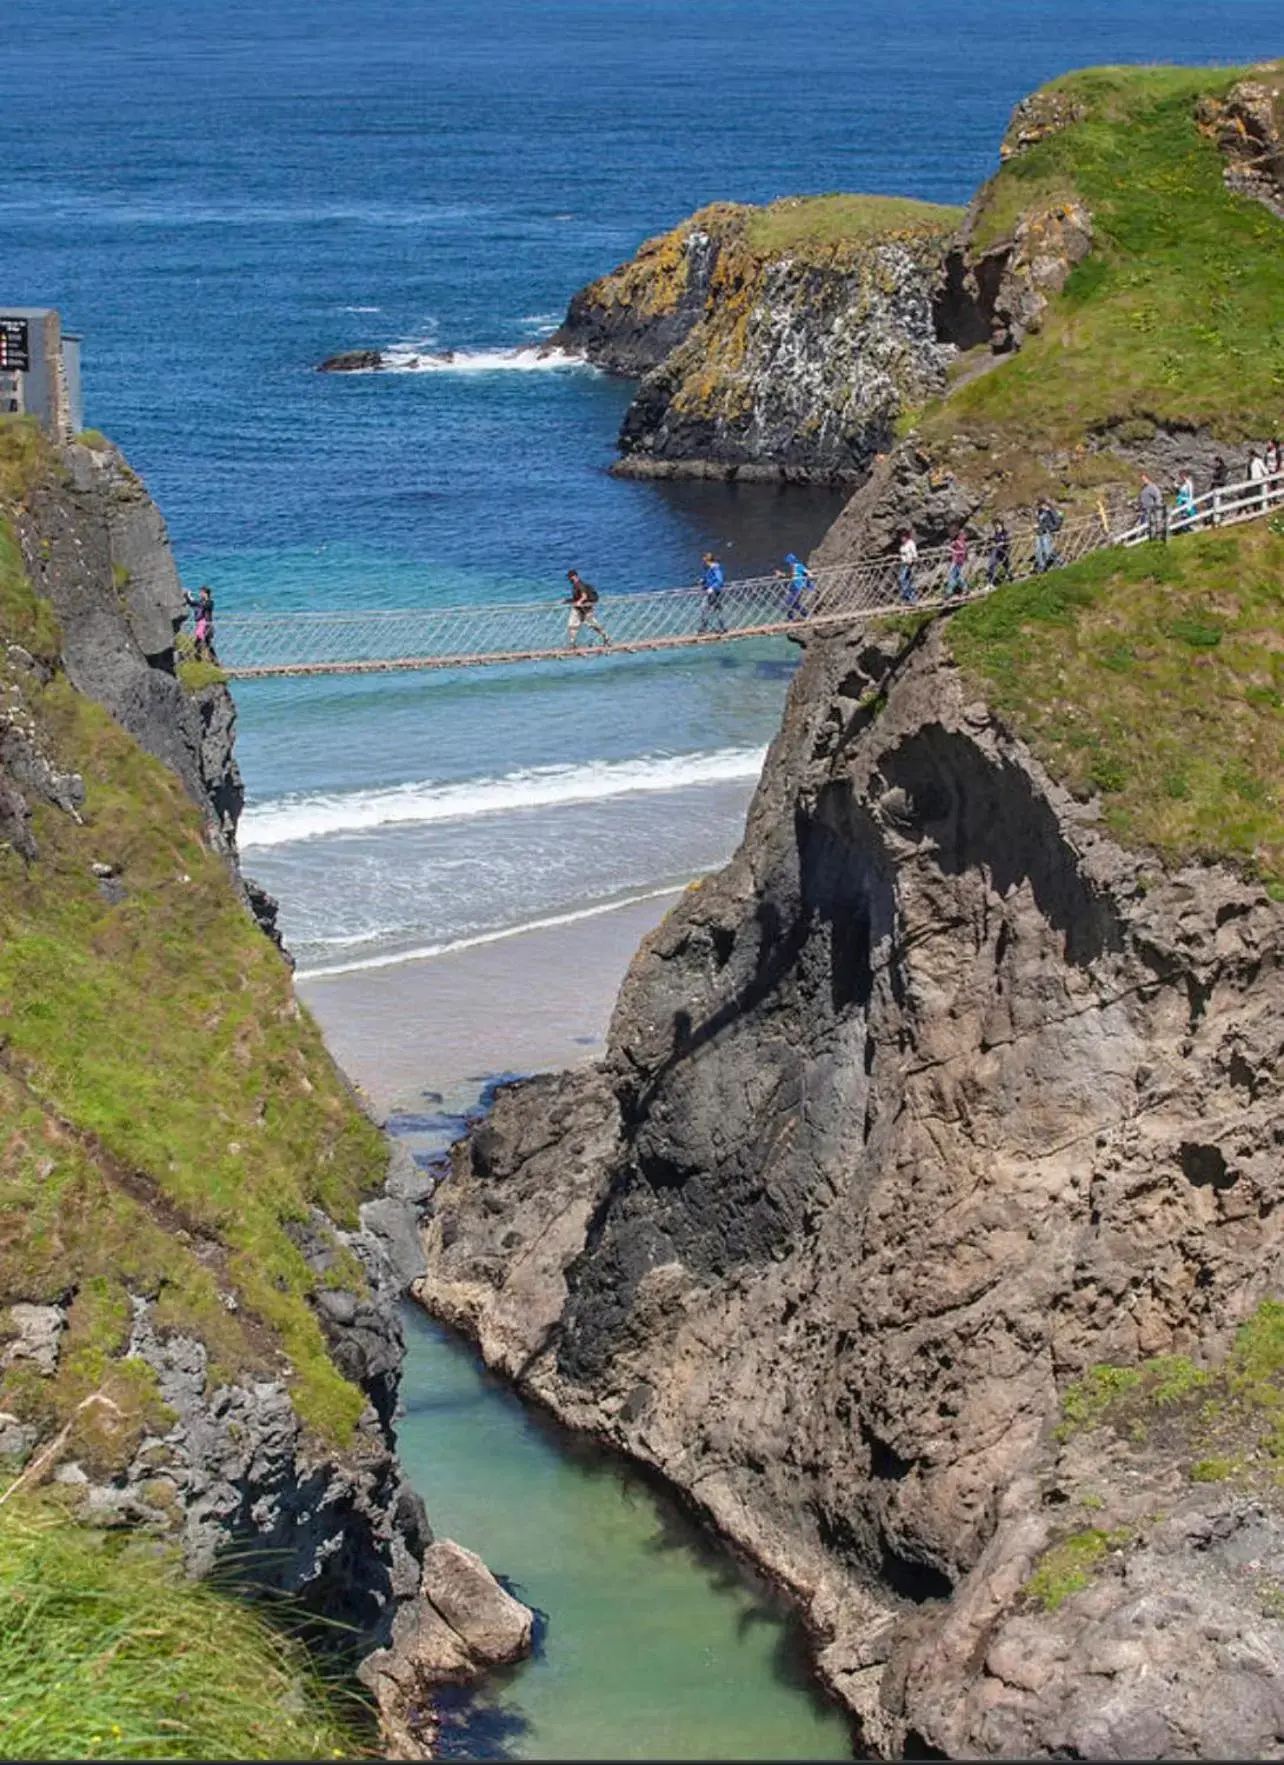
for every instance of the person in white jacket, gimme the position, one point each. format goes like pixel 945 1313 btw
pixel 908 555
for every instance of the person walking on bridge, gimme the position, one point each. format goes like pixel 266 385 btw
pixel 1257 476
pixel 956 581
pixel 908 555
pixel 1000 564
pixel 1184 510
pixel 801 581
pixel 713 581
pixel 1150 504
pixel 1217 487
pixel 202 605
pixel 1048 524
pixel 583 598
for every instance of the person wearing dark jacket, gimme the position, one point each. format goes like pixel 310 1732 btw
pixel 202 605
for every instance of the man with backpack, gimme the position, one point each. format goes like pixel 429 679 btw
pixel 1048 524
pixel 583 598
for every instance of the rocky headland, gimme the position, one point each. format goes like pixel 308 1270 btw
pixel 921 1223
pixel 204 1238
pixel 776 343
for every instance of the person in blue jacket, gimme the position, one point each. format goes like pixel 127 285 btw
pixel 800 580
pixel 712 581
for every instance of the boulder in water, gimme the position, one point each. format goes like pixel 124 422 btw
pixel 351 361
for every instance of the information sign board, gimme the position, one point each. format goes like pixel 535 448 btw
pixel 15 345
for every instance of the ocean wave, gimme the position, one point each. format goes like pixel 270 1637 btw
pixel 286 819
pixel 405 359
pixel 393 958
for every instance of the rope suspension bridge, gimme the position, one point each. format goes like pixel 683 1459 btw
pixel 372 642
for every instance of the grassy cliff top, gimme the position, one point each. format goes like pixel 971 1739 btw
pixel 1156 678
pixel 167 1109
pixel 1177 315
pixel 832 231
pixel 821 223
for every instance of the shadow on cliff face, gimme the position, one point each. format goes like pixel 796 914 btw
pixel 726 1167
pixel 730 1155
pixel 986 817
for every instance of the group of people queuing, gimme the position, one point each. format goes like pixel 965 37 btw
pixel 962 574
pixel 1261 485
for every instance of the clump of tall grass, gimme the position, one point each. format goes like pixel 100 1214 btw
pixel 108 1652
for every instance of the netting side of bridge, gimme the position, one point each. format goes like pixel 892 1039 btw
pixel 451 637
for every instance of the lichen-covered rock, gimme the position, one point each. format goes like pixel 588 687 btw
pixel 1248 124
pixel 933 1099
pixel 1047 243
pixel 776 343
pixel 1043 113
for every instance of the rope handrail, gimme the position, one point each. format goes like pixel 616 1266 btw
pixel 387 639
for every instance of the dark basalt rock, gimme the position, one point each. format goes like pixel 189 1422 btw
pixel 351 361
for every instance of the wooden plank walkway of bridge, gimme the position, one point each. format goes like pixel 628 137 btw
pixel 374 641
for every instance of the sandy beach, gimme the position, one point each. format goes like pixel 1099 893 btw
pixel 532 1002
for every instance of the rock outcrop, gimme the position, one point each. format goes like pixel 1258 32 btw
pixel 1248 126
pixel 774 343
pixel 1086 163
pixel 935 1099
pixel 352 361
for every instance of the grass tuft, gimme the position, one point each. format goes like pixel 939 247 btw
pixel 1069 1567
pixel 107 1652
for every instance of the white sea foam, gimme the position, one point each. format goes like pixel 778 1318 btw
pixel 408 359
pixel 393 958
pixel 286 819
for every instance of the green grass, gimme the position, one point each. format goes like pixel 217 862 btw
pixel 1225 1422
pixel 107 1652
pixel 1069 1567
pixel 808 221
pixel 1156 678
pixel 1177 316
pixel 196 676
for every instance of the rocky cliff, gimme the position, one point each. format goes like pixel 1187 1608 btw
pixel 202 1244
pixel 776 343
pixel 923 1221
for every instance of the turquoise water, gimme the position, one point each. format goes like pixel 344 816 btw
pixel 655 1644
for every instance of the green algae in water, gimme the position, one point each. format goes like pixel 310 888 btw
pixel 655 1644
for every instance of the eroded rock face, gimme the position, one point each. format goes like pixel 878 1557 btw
pixel 907 1119
pixel 96 546
pixel 791 362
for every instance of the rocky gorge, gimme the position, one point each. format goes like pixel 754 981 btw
pixel 920 1223
pixel 199 1340
pixel 935 1101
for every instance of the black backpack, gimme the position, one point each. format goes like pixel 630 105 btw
pixel 588 591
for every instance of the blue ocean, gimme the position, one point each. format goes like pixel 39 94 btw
pixel 219 193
